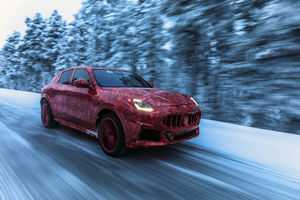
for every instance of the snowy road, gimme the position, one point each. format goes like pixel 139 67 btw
pixel 225 162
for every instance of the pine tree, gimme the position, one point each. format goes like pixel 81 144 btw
pixel 73 47
pixel 98 13
pixel 190 42
pixel 3 76
pixel 11 61
pixel 33 52
pixel 126 39
pixel 54 32
pixel 152 55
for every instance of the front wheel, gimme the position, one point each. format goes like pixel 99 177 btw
pixel 111 135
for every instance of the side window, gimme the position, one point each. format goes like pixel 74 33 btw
pixel 65 77
pixel 80 74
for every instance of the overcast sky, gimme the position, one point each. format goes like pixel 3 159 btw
pixel 14 12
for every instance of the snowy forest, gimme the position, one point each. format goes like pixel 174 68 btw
pixel 240 59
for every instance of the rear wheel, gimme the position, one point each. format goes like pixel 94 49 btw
pixel 111 135
pixel 46 115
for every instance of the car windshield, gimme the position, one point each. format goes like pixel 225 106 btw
pixel 115 78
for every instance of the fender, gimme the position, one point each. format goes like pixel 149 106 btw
pixel 108 106
pixel 46 97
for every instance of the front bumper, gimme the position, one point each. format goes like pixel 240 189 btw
pixel 159 129
pixel 165 139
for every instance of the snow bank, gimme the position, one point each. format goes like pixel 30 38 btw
pixel 274 150
pixel 12 97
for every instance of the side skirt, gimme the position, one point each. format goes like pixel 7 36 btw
pixel 77 127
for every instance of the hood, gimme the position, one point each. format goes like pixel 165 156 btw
pixel 153 96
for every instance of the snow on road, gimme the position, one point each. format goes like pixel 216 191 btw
pixel 225 162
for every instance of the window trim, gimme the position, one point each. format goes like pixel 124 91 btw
pixel 69 78
pixel 75 73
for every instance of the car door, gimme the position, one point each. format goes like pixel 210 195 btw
pixel 61 91
pixel 81 101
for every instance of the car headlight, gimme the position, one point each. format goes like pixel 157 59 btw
pixel 140 105
pixel 194 101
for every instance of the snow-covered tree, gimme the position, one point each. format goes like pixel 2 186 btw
pixel 97 14
pixel 126 41
pixel 54 32
pixel 11 62
pixel 33 52
pixel 73 47
pixel 52 36
pixel 3 77
pixel 190 40
pixel 150 28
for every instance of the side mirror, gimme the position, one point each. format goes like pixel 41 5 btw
pixel 82 83
pixel 151 84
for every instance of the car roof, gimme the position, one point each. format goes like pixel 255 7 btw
pixel 90 67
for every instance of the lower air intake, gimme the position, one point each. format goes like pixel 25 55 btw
pixel 148 134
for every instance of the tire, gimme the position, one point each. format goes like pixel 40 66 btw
pixel 46 115
pixel 111 135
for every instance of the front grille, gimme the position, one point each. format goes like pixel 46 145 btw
pixel 182 120
pixel 185 135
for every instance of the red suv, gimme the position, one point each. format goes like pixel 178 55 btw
pixel 118 107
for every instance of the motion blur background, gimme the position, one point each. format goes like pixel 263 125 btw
pixel 240 59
